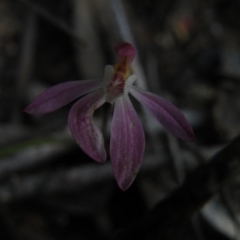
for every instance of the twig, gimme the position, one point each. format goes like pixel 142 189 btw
pixel 176 156
pixel 26 62
pixel 31 156
pixel 56 22
pixel 225 198
pixel 126 35
pixel 167 220
pixel 64 180
pixel 90 60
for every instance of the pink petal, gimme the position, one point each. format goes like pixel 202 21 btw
pixel 60 95
pixel 127 142
pixel 166 113
pixel 84 131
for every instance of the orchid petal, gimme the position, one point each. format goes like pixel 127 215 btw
pixel 127 142
pixel 84 131
pixel 166 113
pixel 60 95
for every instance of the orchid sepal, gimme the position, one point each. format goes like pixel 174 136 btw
pixel 60 95
pixel 166 113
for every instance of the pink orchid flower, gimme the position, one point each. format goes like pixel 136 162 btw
pixel 127 137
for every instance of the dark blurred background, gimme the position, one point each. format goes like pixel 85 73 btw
pixel 188 52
